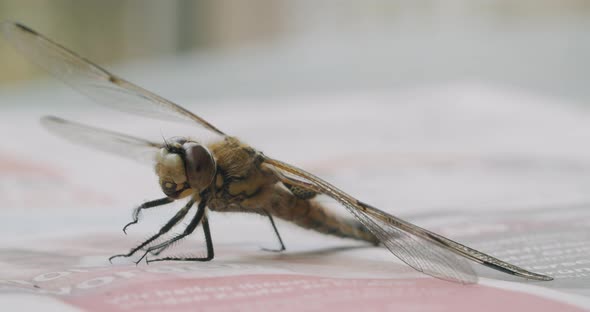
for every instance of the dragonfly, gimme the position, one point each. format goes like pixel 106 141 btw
pixel 227 175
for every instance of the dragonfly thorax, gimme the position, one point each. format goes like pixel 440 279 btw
pixel 184 167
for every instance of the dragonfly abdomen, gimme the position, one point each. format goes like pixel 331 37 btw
pixel 310 214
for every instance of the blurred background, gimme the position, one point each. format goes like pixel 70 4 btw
pixel 430 85
pixel 277 47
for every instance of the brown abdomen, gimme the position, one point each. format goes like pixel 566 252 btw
pixel 309 214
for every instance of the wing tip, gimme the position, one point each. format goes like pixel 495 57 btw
pixel 8 27
pixel 50 118
pixel 520 272
pixel 535 276
pixel 24 28
pixel 541 277
pixel 48 122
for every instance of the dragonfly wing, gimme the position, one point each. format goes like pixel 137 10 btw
pixel 103 140
pixel 451 245
pixel 93 80
pixel 421 249
pixel 417 252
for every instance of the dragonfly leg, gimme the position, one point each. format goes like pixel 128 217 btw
pixel 169 225
pixel 190 228
pixel 272 221
pixel 156 251
pixel 146 205
pixel 208 240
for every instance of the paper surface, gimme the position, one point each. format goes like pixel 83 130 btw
pixel 499 170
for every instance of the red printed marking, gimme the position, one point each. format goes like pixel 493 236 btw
pixel 287 293
pixel 28 184
pixel 14 166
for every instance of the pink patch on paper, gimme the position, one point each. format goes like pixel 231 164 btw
pixel 31 183
pixel 16 166
pixel 286 293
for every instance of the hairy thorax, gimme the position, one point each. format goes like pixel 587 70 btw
pixel 241 177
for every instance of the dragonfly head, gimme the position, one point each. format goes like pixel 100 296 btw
pixel 184 167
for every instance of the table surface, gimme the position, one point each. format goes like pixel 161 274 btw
pixel 498 169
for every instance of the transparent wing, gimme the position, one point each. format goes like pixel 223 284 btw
pixel 103 140
pixel 94 81
pixel 421 249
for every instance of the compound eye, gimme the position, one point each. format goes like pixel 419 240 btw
pixel 200 166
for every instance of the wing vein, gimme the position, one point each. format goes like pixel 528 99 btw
pixel 423 250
